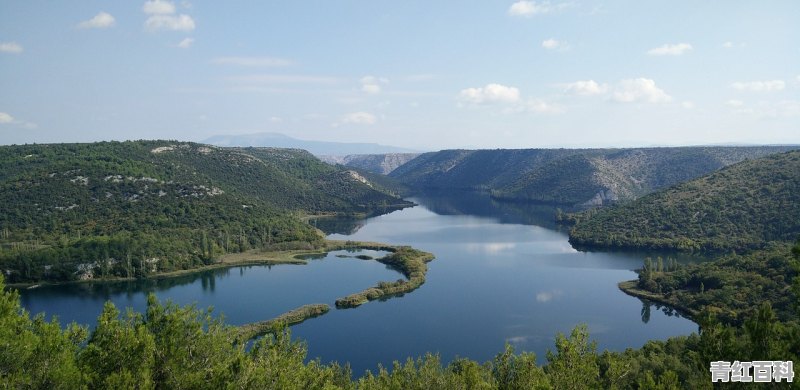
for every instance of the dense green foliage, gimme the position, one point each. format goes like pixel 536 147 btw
pixel 569 176
pixel 741 207
pixel 731 287
pixel 182 347
pixel 130 209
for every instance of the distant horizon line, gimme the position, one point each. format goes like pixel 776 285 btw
pixel 641 146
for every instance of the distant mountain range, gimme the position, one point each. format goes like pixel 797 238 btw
pixel 318 148
pixel 580 177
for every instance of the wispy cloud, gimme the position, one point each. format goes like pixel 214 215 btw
pixel 162 17
pixel 372 85
pixel 186 43
pixel 670 49
pixel 358 118
pixel 553 44
pixel 252 61
pixel 10 47
pixel 491 93
pixel 101 20
pixel 6 118
pixel 539 106
pixel 759 86
pixel 527 9
pixel 640 90
pixel 767 110
pixel 585 88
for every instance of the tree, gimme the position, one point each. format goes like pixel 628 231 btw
pixel 574 364
pixel 120 353
pixel 518 371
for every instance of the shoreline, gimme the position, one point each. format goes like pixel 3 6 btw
pixel 251 257
pixel 629 287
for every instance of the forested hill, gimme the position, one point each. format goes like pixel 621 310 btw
pixel 586 177
pixel 72 211
pixel 739 207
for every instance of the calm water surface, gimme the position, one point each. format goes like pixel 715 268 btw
pixel 502 274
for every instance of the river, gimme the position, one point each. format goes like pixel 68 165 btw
pixel 503 273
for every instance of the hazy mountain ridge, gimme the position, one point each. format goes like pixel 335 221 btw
pixel 742 206
pixel 587 177
pixel 317 148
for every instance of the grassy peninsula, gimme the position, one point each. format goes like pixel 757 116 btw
pixel 412 263
pixel 292 317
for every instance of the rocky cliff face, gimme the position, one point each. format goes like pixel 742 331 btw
pixel 377 163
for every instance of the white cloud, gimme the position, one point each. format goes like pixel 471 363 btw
pixel 6 118
pixel 734 103
pixel 101 20
pixel 169 22
pixel 640 90
pixel 552 44
pixel 531 8
pixel 252 61
pixel 10 47
pixel 359 118
pixel 162 17
pixel 372 84
pixel 760 86
pixel 186 43
pixel 158 7
pixel 670 49
pixel 727 45
pixel 491 93
pixel 275 119
pixel 586 88
pixel 687 104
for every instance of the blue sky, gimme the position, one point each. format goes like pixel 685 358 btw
pixel 420 74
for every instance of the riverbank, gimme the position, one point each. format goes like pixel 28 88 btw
pixel 630 287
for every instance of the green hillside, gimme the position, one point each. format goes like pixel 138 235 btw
pixel 582 177
pixel 740 207
pixel 111 209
